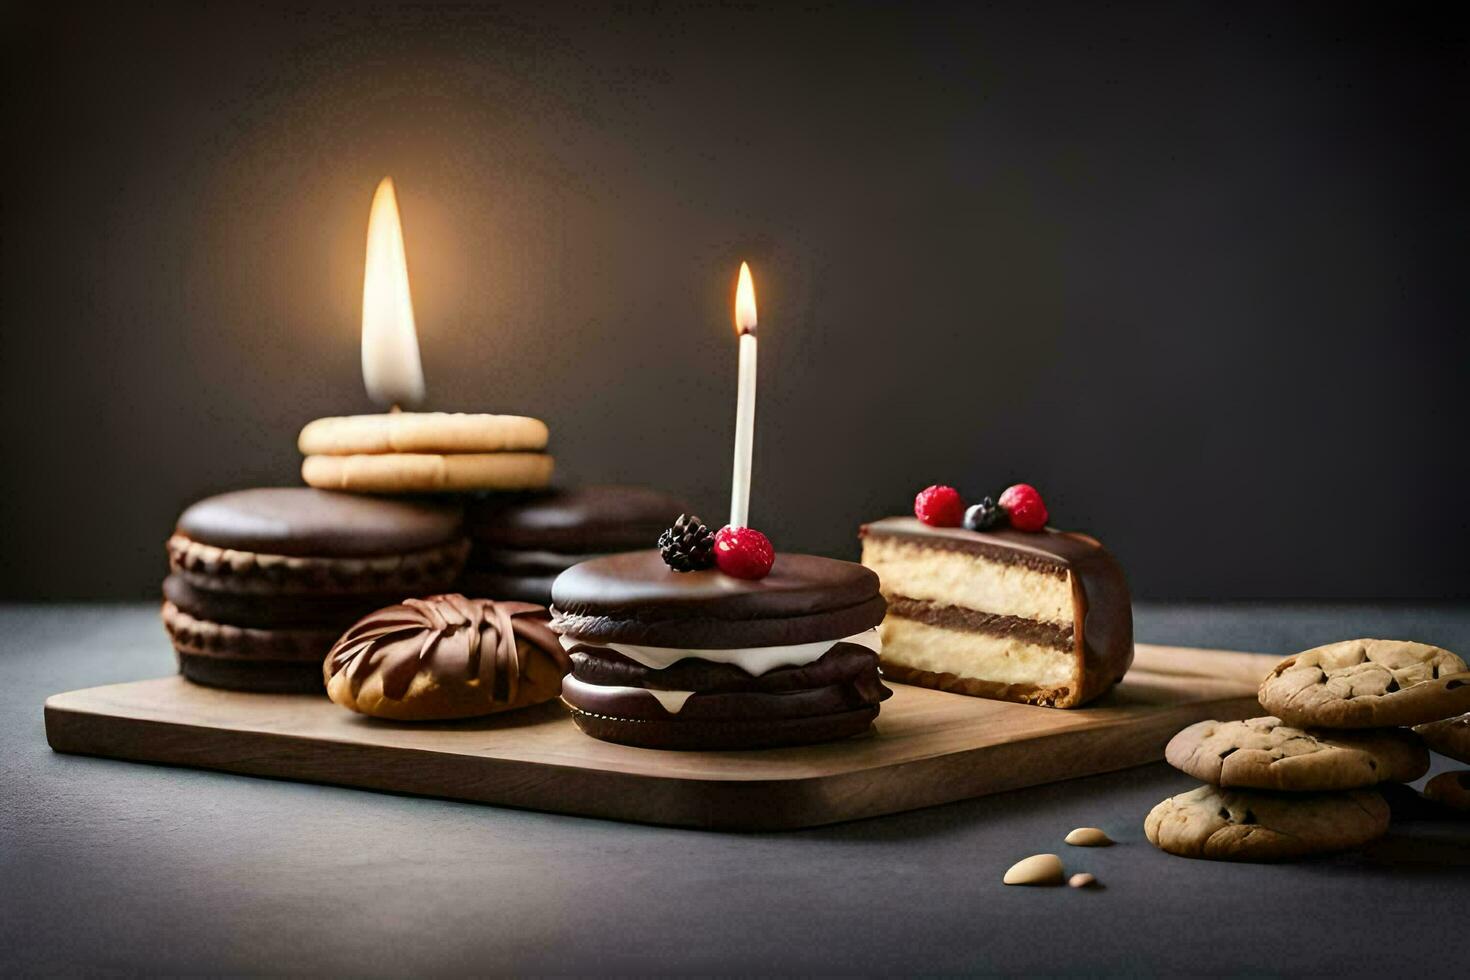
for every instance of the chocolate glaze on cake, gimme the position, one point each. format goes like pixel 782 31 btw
pixel 1099 632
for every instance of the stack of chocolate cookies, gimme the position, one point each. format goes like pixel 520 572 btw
pixel 262 582
pixel 522 542
pixel 703 660
pixel 1307 779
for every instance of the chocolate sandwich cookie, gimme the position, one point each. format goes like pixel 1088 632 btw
pixel 263 581
pixel 701 660
pixel 522 542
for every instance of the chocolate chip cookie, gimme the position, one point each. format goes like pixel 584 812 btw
pixel 1265 753
pixel 1449 737
pixel 1367 684
pixel 1242 825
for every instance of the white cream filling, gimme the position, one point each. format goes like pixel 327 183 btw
pixel 755 661
pixel 672 701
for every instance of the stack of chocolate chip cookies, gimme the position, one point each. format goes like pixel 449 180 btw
pixel 1303 780
pixel 425 452
pixel 262 582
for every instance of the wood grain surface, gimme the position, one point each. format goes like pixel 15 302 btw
pixel 928 747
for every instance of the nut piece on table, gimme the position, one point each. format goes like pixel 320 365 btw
pixel 1038 869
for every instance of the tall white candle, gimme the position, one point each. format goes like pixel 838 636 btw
pixel 745 321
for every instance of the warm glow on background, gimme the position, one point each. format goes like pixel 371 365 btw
pixel 391 369
pixel 745 302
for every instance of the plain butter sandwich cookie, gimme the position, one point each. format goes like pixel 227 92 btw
pixel 1242 825
pixel 422 432
pixel 428 472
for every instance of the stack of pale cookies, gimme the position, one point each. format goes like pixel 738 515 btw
pixel 1311 777
pixel 425 452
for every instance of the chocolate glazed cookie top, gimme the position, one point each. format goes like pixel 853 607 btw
pixel 1104 623
pixel 303 522
pixel 592 519
pixel 451 637
pixel 635 598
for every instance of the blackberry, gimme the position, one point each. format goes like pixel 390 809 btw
pixel 687 546
pixel 985 515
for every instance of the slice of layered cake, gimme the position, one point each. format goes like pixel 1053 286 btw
pixel 1039 617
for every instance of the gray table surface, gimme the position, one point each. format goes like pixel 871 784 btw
pixel 117 867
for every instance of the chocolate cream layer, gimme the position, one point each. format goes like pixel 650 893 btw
pixel 960 619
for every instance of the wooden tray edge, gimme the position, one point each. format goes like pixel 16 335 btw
pixel 749 806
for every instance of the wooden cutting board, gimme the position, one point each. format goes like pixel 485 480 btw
pixel 927 747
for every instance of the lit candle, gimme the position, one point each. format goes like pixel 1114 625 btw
pixel 745 405
pixel 402 451
pixel 391 369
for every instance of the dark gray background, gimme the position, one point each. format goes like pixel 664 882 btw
pixel 1195 270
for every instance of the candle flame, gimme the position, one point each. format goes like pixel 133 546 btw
pixel 391 369
pixel 745 303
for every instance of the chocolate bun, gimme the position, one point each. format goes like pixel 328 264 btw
pixel 446 657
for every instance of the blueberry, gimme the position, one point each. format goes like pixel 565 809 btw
pixel 984 515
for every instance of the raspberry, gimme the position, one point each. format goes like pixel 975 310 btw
pixel 939 506
pixel 1023 504
pixel 743 552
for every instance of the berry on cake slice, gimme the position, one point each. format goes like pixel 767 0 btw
pixel 984 515
pixel 1022 503
pixel 940 506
